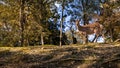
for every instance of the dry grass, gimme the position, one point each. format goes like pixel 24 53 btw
pixel 67 56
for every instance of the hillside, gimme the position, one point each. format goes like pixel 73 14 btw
pixel 70 56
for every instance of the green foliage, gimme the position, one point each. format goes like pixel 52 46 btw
pixel 110 19
pixel 36 15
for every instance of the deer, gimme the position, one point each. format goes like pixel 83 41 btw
pixel 85 30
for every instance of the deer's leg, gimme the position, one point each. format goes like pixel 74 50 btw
pixel 85 39
pixel 103 36
pixel 94 38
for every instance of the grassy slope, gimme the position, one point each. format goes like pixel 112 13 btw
pixel 72 56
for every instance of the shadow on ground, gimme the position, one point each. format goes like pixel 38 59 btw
pixel 61 57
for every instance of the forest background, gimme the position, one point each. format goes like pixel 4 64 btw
pixel 39 22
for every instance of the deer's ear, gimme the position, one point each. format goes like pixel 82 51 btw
pixel 78 20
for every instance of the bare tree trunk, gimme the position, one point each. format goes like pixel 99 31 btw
pixel 61 23
pixel 61 33
pixel 85 19
pixel 42 39
pixel 84 5
pixel 22 20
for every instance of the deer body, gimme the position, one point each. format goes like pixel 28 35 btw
pixel 94 28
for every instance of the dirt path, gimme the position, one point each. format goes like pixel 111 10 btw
pixel 103 55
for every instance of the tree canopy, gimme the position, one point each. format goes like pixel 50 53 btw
pixel 39 22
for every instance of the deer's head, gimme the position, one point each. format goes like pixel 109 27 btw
pixel 77 22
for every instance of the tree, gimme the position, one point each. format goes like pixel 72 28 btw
pixel 109 17
pixel 32 25
pixel 61 23
pixel 22 20
pixel 9 24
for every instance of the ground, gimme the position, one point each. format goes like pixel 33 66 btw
pixel 67 56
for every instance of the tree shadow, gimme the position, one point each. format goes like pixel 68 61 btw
pixel 68 57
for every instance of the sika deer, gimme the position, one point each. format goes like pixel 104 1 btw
pixel 94 28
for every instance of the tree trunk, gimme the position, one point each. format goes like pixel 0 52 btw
pixel 85 19
pixel 84 5
pixel 21 21
pixel 61 33
pixel 42 39
pixel 61 23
